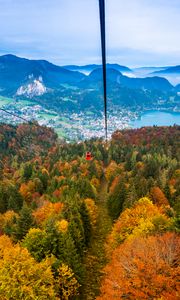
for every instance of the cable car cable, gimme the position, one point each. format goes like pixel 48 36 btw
pixel 103 49
pixel 14 115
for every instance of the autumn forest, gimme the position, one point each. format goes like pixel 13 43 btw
pixel 102 229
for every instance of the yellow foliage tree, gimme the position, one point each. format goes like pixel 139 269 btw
pixel 143 218
pixel 21 277
pixel 62 225
pixel 92 209
pixel 110 170
pixel 66 283
pixel 7 219
pixel 95 182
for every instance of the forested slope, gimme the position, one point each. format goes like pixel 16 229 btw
pixel 50 197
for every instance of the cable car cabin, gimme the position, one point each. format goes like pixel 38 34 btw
pixel 88 155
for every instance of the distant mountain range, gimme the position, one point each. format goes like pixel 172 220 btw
pixel 172 74
pixel 63 87
pixel 168 70
pixel 89 68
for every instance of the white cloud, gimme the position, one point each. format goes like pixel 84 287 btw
pixel 67 31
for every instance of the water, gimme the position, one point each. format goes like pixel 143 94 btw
pixel 159 118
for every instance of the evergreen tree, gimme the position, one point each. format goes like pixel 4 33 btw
pixel 117 199
pixel 77 232
pixel 168 193
pixel 86 223
pixel 70 255
pixel 3 199
pixel 84 188
pixel 27 172
pixel 15 201
pixel 24 222
pixel 131 197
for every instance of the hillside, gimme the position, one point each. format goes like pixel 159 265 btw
pixel 48 75
pixel 63 219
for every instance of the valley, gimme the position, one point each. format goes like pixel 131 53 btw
pixel 81 125
pixel 71 126
pixel 71 102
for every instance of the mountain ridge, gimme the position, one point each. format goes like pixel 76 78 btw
pixel 169 70
pixel 55 87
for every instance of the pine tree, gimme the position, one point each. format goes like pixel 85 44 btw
pixel 117 199
pixel 70 255
pixel 27 173
pixel 131 197
pixel 3 199
pixel 24 222
pixel 15 201
pixel 86 223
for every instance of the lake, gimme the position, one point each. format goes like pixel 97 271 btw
pixel 159 118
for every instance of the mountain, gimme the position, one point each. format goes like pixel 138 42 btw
pixel 89 68
pixel 177 88
pixel 83 69
pixel 170 73
pixel 96 75
pixel 17 73
pixel 145 71
pixel 149 83
pixel 169 70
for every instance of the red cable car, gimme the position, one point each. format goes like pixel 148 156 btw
pixel 88 155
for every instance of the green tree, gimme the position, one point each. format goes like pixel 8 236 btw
pixel 24 222
pixel 37 243
pixel 27 172
pixel 117 199
pixel 86 223
pixel 15 201
pixel 84 188
pixel 3 199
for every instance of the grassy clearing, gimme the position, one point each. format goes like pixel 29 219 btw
pixel 60 132
pixel 5 101
pixel 47 116
pixel 25 103
pixel 96 257
pixel 68 86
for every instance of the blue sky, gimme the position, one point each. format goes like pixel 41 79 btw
pixel 139 32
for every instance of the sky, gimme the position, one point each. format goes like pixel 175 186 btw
pixel 138 32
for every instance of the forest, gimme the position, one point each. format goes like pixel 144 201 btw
pixel 101 229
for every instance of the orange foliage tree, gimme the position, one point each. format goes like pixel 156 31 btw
pixel 144 268
pixel 27 189
pixel 158 196
pixel 47 211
